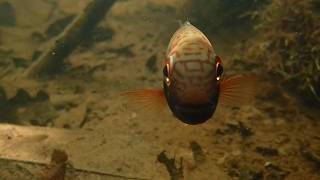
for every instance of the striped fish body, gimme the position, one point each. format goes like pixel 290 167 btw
pixel 190 82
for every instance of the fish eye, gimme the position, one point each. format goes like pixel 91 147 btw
pixel 219 70
pixel 166 75
pixel 165 71
pixel 167 80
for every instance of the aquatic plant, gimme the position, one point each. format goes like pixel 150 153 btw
pixel 288 46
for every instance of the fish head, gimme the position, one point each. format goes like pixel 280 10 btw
pixel 192 88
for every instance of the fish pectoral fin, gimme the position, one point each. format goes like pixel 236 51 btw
pixel 237 90
pixel 152 100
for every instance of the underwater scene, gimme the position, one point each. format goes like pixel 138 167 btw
pixel 160 90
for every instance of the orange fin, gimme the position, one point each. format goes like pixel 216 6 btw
pixel 237 90
pixel 147 99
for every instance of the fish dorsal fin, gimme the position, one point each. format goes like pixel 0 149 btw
pixel 237 90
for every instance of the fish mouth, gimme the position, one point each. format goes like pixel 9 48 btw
pixel 194 114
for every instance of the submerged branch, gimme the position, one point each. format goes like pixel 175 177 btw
pixel 51 61
pixel 174 172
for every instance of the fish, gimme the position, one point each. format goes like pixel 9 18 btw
pixel 193 85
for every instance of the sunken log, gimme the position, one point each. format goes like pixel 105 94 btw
pixel 51 61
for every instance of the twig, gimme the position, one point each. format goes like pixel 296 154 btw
pixel 175 173
pixel 68 168
pixel 56 170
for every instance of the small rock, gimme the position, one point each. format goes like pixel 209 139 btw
pixel 282 139
pixel 265 151
pixel 197 152
pixel 149 35
pixel 19 62
pixel 64 101
pixel 37 37
pixel 41 96
pixel 133 115
pixel 271 111
pixel 236 153
pixel 125 50
pixel 22 97
pixel 266 164
pixel 240 127
pixel 244 131
pixel 36 113
pixel 21 110
pixel 287 149
pixel 73 118
pixel 280 122
pixel 222 159
pixel 275 172
pixel 250 174
pixel 152 63
pixel 233 125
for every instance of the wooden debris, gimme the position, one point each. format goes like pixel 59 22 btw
pixel 266 151
pixel 51 61
pixel 57 168
pixel 198 153
pixel 58 26
pixel 175 172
